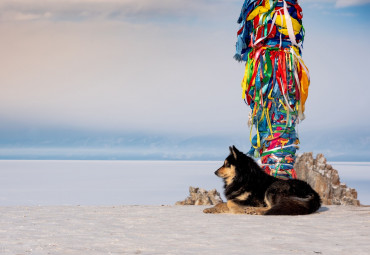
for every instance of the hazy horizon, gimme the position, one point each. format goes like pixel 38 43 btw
pixel 87 73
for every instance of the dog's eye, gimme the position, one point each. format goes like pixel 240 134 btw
pixel 227 165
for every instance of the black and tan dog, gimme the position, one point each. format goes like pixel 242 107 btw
pixel 249 190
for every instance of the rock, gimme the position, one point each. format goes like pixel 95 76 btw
pixel 325 180
pixel 321 176
pixel 199 196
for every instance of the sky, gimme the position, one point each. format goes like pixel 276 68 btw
pixel 165 68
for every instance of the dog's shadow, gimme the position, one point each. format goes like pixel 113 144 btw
pixel 323 209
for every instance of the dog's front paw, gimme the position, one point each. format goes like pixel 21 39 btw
pixel 250 210
pixel 210 210
pixel 219 208
pixel 256 210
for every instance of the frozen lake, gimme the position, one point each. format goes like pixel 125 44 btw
pixel 32 182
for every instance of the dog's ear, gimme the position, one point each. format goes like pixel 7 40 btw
pixel 231 149
pixel 234 151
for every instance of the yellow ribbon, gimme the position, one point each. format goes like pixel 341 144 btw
pixel 280 21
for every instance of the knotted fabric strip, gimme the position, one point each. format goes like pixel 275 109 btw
pixel 276 80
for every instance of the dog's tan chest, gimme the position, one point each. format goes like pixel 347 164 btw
pixel 243 196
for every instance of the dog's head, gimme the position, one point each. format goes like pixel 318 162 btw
pixel 238 167
pixel 228 171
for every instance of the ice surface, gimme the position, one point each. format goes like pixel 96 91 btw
pixel 76 230
pixel 102 182
pixel 64 182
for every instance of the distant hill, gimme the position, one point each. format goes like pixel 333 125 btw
pixel 38 143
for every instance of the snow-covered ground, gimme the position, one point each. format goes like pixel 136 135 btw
pixel 76 230
pixel 117 215
pixel 31 182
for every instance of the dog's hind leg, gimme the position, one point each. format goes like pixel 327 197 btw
pixel 219 208
pixel 282 202
pixel 292 206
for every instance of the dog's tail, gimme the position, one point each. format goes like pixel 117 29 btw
pixel 293 205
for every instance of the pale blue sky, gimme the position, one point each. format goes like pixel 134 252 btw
pixel 166 66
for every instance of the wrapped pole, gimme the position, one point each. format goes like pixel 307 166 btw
pixel 276 80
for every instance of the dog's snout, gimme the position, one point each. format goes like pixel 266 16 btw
pixel 217 172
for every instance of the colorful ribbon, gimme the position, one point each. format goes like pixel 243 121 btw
pixel 276 80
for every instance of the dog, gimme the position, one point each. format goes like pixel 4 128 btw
pixel 249 190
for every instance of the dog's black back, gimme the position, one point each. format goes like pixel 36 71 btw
pixel 251 186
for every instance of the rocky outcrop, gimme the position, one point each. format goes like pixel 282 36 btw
pixel 199 196
pixel 325 180
pixel 320 175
